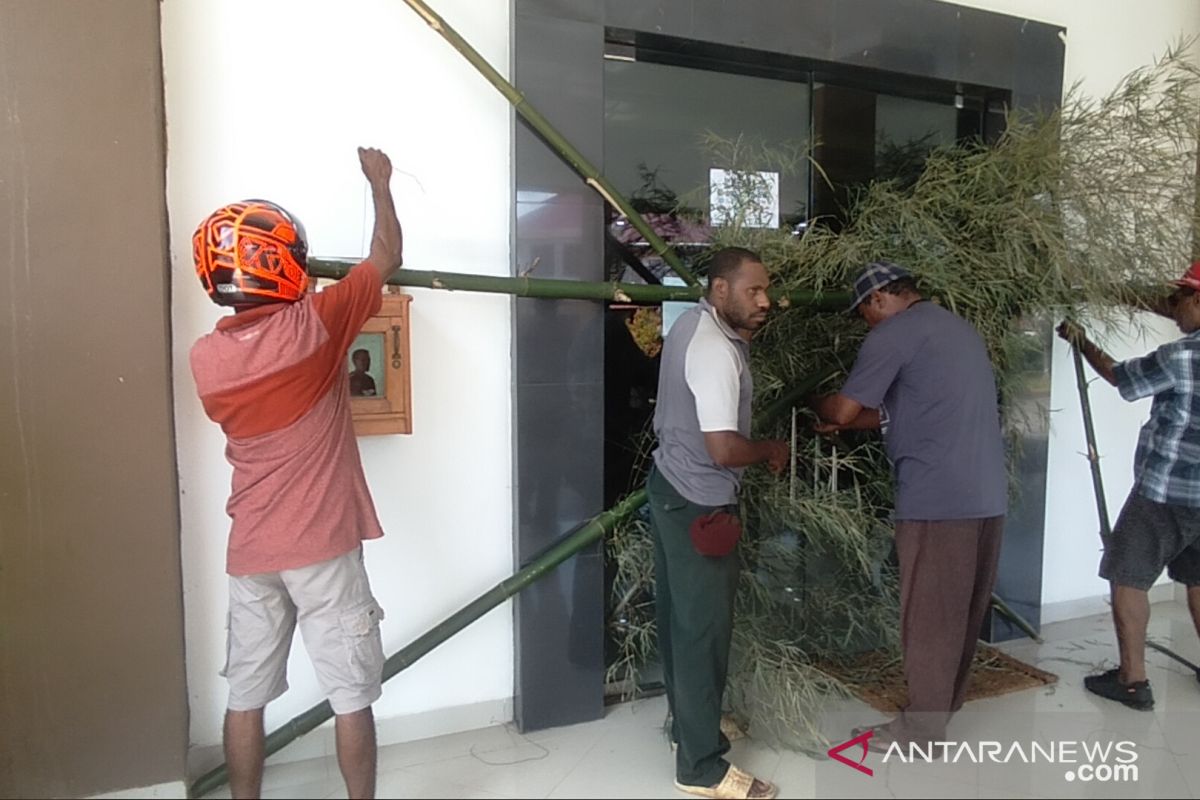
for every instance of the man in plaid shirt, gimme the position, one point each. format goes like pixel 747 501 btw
pixel 1160 523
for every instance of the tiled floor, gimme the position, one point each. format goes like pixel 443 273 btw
pixel 626 754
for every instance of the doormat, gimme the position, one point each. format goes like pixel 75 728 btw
pixel 877 677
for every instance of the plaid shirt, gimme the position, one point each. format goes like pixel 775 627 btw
pixel 1167 465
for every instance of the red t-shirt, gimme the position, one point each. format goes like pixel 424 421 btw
pixel 274 378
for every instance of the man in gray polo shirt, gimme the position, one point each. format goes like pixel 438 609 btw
pixel 702 420
pixel 923 376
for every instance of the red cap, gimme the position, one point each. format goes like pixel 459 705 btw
pixel 1191 278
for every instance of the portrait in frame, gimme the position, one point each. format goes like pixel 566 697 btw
pixel 378 371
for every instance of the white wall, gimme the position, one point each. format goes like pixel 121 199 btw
pixel 279 115
pixel 269 99
pixel 1106 39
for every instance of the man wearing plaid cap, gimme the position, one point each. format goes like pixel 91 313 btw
pixel 924 378
pixel 1159 525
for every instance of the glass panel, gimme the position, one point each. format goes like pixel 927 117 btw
pixel 655 119
pixel 863 134
pixel 906 130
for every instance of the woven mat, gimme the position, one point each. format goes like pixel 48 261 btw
pixel 878 677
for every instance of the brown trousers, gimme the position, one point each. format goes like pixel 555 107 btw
pixel 947 573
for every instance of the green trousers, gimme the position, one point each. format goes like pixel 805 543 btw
pixel 694 598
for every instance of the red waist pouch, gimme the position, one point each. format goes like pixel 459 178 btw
pixel 716 534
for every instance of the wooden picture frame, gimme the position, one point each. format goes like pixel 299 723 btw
pixel 379 371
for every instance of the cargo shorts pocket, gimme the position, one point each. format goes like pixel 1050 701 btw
pixel 364 642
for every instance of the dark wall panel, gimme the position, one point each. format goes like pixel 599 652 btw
pixel 559 367
pixel 92 694
pixel 559 345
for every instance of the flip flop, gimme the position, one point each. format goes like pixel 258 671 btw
pixel 736 785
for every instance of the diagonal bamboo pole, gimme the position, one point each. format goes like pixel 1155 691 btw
pixel 567 290
pixel 1002 608
pixel 1093 454
pixel 575 159
pixel 583 536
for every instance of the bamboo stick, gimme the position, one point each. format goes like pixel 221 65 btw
pixel 799 391
pixel 792 472
pixel 1003 610
pixel 552 288
pixel 565 150
pixel 584 535
pixel 1093 455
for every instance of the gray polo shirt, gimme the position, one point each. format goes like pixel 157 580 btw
pixel 704 385
pixel 928 372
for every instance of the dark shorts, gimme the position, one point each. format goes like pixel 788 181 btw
pixel 1149 536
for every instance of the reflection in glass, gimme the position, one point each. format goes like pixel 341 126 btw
pixel 367 364
pixel 656 119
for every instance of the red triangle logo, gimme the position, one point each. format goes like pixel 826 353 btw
pixel 836 752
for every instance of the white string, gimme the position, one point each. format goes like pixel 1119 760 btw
pixel 364 244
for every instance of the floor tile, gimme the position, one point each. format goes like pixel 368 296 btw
pixel 403 785
pixel 627 754
pixel 796 776
pixel 299 773
pixel 525 769
pixel 314 790
pixel 442 748
pixel 631 761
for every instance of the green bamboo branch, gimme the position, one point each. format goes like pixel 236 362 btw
pixel 1093 454
pixel 797 393
pixel 552 288
pixel 584 168
pixel 1003 609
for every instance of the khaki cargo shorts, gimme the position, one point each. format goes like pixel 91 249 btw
pixel 339 621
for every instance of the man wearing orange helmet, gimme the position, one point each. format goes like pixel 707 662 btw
pixel 273 376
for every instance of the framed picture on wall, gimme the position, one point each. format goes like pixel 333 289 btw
pixel 378 371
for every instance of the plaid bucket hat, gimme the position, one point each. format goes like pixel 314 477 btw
pixel 874 277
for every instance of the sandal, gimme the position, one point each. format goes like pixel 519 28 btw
pixel 736 785
pixel 1108 685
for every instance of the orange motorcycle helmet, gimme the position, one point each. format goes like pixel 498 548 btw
pixel 251 253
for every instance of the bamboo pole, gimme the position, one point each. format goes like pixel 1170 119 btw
pixel 584 168
pixel 1003 610
pixel 1093 455
pixel 583 536
pixel 553 288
